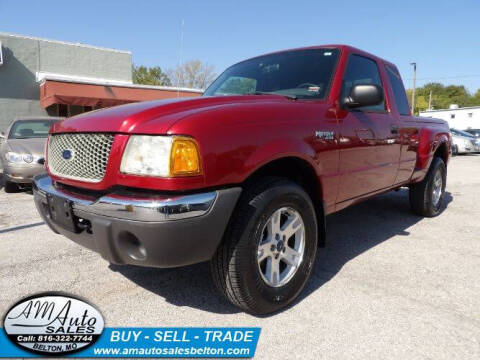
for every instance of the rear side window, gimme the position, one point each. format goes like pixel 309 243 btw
pixel 398 90
pixel 362 71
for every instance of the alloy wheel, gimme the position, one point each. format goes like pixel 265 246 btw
pixel 281 247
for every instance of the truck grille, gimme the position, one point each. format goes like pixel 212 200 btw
pixel 82 157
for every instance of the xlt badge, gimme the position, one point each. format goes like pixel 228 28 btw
pixel 325 135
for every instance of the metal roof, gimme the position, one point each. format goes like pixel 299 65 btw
pixel 460 108
pixel 43 76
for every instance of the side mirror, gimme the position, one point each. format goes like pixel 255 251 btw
pixel 363 95
pixel 2 135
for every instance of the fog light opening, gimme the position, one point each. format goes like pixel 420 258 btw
pixel 84 224
pixel 132 246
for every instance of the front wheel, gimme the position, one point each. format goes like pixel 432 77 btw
pixel 426 197
pixel 11 187
pixel 454 150
pixel 269 248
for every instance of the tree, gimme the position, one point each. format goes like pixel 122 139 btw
pixel 476 98
pixel 150 76
pixel 193 74
pixel 442 96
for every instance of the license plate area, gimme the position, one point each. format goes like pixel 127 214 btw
pixel 61 212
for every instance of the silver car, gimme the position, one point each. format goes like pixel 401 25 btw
pixel 22 150
pixel 476 134
pixel 463 142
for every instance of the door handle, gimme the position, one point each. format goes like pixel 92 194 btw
pixel 394 129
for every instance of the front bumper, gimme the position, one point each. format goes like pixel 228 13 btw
pixel 22 174
pixel 133 228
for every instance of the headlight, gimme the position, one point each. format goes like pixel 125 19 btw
pixel 13 157
pixel 28 158
pixel 162 156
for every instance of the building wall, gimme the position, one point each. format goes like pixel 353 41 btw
pixel 23 57
pixel 461 119
pixel 85 61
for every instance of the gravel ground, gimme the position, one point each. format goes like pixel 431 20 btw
pixel 389 285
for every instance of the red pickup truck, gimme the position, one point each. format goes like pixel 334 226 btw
pixel 245 175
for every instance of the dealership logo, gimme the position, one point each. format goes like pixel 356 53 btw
pixel 68 154
pixel 53 323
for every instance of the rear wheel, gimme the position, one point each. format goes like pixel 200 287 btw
pixel 426 197
pixel 269 248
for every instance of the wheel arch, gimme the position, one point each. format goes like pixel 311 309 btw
pixel 301 172
pixel 442 151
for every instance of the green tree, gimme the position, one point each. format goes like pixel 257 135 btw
pixel 150 76
pixel 421 103
pixel 476 98
pixel 442 96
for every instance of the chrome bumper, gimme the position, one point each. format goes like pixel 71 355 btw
pixel 148 209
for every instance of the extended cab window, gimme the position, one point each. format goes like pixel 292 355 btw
pixel 305 74
pixel 398 90
pixel 362 71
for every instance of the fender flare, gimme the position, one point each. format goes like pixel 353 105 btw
pixel 294 150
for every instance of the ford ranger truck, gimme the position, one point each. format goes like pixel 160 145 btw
pixel 245 175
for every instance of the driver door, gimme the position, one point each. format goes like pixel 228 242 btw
pixel 369 146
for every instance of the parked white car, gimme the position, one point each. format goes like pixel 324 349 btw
pixel 475 133
pixel 463 142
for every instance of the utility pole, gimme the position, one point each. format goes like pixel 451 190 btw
pixel 430 101
pixel 414 81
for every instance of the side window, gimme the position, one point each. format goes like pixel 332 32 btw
pixel 398 90
pixel 362 70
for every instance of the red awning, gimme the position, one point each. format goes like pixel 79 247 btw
pixel 70 93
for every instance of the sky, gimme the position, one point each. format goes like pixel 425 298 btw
pixel 442 37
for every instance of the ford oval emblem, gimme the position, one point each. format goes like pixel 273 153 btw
pixel 67 154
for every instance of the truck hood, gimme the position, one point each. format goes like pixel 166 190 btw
pixel 152 117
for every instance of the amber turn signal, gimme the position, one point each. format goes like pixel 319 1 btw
pixel 184 157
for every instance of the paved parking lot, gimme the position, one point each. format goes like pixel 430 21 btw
pixel 388 285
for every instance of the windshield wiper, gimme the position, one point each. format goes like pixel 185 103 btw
pixel 291 97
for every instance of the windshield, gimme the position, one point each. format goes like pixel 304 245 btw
pixel 461 133
pixel 304 74
pixel 30 129
pixel 474 132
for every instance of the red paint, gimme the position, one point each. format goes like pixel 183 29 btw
pixel 239 134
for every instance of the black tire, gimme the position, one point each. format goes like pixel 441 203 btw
pixel 234 267
pixel 11 187
pixel 454 150
pixel 422 194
